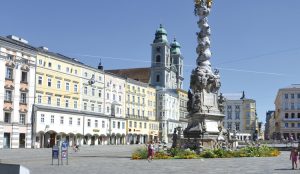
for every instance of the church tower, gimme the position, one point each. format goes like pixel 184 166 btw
pixel 163 69
pixel 177 60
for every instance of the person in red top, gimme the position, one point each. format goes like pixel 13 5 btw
pixel 294 157
pixel 150 151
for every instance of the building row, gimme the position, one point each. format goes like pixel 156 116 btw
pixel 48 98
pixel 284 121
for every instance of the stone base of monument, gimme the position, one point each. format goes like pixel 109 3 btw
pixel 204 128
pixel 13 169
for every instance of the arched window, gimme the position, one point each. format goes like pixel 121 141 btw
pixel 157 59
pixel 157 78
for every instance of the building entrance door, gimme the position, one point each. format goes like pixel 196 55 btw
pixel 6 142
pixel 52 139
pixel 22 140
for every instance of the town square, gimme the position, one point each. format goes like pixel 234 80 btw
pixel 149 87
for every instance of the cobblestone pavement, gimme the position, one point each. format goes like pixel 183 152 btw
pixel 116 159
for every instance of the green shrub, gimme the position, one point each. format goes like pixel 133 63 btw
pixel 140 153
pixel 176 153
pixel 162 155
pixel 186 154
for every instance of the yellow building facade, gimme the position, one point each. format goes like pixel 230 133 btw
pixel 152 117
pixel 57 100
pixel 137 112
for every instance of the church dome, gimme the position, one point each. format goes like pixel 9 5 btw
pixel 161 35
pixel 175 47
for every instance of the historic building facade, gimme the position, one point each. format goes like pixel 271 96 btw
pixel 167 76
pixel 115 108
pixel 241 116
pixel 267 134
pixel 57 107
pixel 287 113
pixel 152 117
pixel 17 69
pixel 183 112
pixel 137 112
pixel 93 104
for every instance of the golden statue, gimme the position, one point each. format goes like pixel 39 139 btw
pixel 208 2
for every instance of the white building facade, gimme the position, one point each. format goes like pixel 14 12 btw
pixel 287 113
pixel 115 108
pixel 17 69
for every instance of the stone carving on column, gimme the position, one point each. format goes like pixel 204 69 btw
pixel 205 107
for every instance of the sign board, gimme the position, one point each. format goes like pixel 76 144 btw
pixel 55 152
pixel 96 130
pixel 64 146
pixel 64 152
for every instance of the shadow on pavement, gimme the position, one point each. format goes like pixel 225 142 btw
pixel 286 169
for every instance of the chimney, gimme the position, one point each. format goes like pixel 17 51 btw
pixel 16 38
pixel 44 48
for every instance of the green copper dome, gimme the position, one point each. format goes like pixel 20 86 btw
pixel 175 47
pixel 161 30
pixel 161 35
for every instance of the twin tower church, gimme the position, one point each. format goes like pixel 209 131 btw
pixel 166 75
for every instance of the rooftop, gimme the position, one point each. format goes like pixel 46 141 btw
pixel 138 74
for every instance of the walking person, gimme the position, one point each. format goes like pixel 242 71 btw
pixel 150 151
pixel 294 157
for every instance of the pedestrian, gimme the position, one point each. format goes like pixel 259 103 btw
pixel 150 151
pixel 294 157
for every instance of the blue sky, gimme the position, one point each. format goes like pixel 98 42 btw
pixel 251 36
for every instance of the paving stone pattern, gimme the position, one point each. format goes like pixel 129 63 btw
pixel 116 159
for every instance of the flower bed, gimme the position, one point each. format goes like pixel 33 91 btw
pixel 176 153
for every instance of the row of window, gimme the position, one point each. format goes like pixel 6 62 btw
pixel 9 97
pixel 291 106
pixel 229 107
pixel 93 92
pixel 136 123
pixel 59 67
pixel 7 118
pixel 293 115
pixel 138 89
pixel 118 126
pixel 113 97
pixel 138 99
pixel 229 115
pixel 67 102
pixel 58 84
pixel 153 126
pixel 78 123
pixel 134 113
pixel 236 124
pixel 10 74
pixel 292 96
pixel 114 85
pixel 292 125
pixel 67 70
